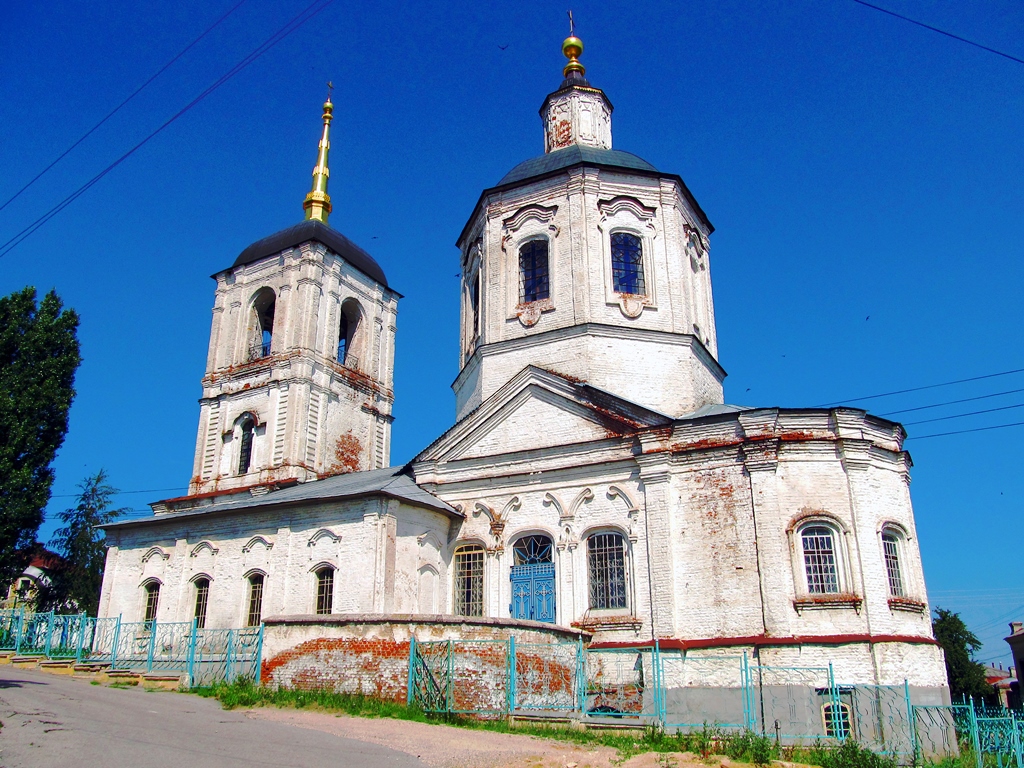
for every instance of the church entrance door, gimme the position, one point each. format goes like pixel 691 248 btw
pixel 533 579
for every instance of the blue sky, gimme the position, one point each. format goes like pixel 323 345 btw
pixel 863 174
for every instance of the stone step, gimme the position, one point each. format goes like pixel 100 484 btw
pixel 26 661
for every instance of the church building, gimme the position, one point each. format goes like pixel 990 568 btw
pixel 594 478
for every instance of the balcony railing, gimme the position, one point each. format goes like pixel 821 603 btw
pixel 260 350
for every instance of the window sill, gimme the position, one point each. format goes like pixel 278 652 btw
pixel 822 602
pixel 608 622
pixel 529 312
pixel 907 604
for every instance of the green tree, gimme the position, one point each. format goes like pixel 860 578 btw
pixel 966 676
pixel 77 580
pixel 39 355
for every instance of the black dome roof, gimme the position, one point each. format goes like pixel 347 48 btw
pixel 563 158
pixel 318 232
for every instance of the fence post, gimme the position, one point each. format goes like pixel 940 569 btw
pixel 152 647
pixel 228 656
pixel 511 697
pixel 581 674
pixel 911 721
pixel 258 676
pixel 838 724
pixel 21 631
pixel 117 639
pixel 82 621
pixel 49 634
pixel 975 740
pixel 410 689
pixel 450 693
pixel 191 655
pixel 656 672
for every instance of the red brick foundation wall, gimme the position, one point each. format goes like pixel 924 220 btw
pixel 377 668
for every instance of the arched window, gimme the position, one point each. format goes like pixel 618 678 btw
pixel 627 264
pixel 821 562
pixel 533 271
pixel 324 590
pixel 202 598
pixel 836 719
pixel 262 330
pixel 891 552
pixel 606 565
pixel 255 613
pixel 474 305
pixel 247 426
pixel 152 597
pixel 348 326
pixel 469 580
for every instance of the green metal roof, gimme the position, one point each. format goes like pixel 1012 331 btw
pixel 564 158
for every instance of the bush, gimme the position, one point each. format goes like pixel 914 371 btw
pixel 849 754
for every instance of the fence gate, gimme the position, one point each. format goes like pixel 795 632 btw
pixel 430 679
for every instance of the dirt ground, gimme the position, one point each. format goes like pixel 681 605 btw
pixel 444 746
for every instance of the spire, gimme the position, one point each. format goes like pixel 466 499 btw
pixel 577 113
pixel 318 202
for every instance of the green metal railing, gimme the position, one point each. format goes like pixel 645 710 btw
pixel 201 656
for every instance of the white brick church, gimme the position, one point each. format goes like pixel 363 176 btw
pixel 594 477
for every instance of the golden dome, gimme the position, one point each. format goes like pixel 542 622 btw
pixel 572 48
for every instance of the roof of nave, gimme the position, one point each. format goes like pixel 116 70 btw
pixel 316 231
pixel 389 481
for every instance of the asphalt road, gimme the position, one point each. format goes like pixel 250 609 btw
pixel 52 721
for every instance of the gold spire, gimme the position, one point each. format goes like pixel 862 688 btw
pixel 572 48
pixel 318 202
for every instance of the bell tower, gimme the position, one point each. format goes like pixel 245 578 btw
pixel 590 262
pixel 299 375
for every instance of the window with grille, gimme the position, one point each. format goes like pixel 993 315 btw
pixel 820 560
pixel 245 449
pixel 627 264
pixel 324 591
pixel 474 305
pixel 891 548
pixel 606 560
pixel 469 581
pixel 202 598
pixel 837 720
pixel 152 600
pixel 533 271
pixel 255 614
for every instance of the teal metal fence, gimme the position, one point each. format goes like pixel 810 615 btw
pixel 199 656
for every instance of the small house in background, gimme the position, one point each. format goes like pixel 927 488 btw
pixel 25 590
pixel 1009 690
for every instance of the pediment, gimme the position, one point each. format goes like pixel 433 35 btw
pixel 539 409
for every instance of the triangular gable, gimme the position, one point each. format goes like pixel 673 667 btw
pixel 540 409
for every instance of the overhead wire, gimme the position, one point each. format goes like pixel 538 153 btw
pixel 297 21
pixel 920 389
pixel 940 31
pixel 953 402
pixel 965 431
pixel 120 106
pixel 963 415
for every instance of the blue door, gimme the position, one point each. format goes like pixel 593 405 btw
pixel 533 580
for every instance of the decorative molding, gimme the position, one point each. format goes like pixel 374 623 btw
pixel 632 509
pixel 542 213
pixel 907 604
pixel 582 498
pixel 608 623
pixel 257 540
pixel 529 312
pixel 323 533
pixel 201 546
pixel 153 552
pixel 551 500
pixel 626 203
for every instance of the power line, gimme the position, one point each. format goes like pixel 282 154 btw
pixel 913 389
pixel 962 415
pixel 965 431
pixel 941 31
pixel 296 22
pixel 147 490
pixel 116 109
pixel 953 402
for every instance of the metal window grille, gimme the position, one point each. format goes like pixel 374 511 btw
pixel 837 720
pixel 627 264
pixel 469 581
pixel 152 600
pixel 820 560
pixel 533 271
pixel 245 450
pixel 202 598
pixel 607 565
pixel 530 550
pixel 324 590
pixel 890 545
pixel 255 615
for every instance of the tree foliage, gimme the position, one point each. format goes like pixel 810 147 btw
pixel 39 355
pixel 966 676
pixel 75 584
